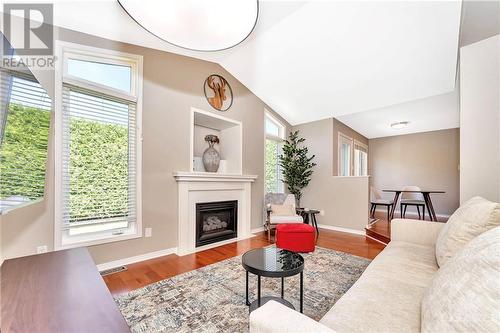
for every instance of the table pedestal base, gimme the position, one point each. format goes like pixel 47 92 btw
pixel 255 304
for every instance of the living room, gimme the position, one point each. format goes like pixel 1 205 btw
pixel 162 176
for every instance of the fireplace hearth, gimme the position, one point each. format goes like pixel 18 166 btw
pixel 216 221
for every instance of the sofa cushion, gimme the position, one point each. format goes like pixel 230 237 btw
pixel 464 296
pixel 474 217
pixel 387 296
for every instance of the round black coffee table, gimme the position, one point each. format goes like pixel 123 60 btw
pixel 275 263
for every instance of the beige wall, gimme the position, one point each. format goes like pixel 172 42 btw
pixel 339 127
pixel 172 84
pixel 429 160
pixel 480 120
pixel 344 200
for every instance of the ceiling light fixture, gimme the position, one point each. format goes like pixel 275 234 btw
pixel 400 124
pixel 199 25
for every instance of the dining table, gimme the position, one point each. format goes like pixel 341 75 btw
pixel 427 198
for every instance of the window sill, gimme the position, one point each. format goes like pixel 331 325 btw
pixel 103 238
pixel 6 211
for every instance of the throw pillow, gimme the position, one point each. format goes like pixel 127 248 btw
pixel 282 210
pixel 464 295
pixel 474 217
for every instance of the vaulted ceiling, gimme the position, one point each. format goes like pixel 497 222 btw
pixel 317 59
pixel 335 58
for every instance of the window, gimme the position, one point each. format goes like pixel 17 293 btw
pixel 24 131
pixel 98 146
pixel 114 76
pixel 275 134
pixel 360 159
pixel 345 148
pixel 272 128
pixel 353 157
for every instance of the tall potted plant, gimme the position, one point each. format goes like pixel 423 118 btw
pixel 296 165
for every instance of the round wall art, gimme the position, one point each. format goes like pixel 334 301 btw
pixel 218 92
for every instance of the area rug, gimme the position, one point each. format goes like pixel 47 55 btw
pixel 212 298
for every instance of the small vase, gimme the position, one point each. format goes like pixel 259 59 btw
pixel 211 158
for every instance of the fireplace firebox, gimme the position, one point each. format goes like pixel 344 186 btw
pixel 216 221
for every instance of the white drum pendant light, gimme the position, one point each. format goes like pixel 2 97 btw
pixel 201 25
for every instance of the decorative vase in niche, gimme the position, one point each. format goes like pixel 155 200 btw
pixel 211 157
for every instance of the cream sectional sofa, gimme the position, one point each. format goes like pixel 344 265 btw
pixel 386 298
pixel 391 293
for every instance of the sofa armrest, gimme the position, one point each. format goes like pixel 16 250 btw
pixel 415 231
pixel 274 317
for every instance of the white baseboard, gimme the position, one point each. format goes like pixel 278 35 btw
pixel 256 230
pixel 323 226
pixel 131 260
pixel 348 230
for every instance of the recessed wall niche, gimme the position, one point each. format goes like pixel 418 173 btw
pixel 229 132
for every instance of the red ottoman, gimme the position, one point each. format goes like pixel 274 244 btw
pixel 296 237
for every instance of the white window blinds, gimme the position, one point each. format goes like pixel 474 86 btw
pixel 24 130
pixel 98 159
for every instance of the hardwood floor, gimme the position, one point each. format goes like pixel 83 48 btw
pixel 143 273
pixel 381 230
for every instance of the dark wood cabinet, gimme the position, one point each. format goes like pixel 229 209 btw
pixel 59 291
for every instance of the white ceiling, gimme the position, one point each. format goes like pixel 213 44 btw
pixel 116 24
pixel 335 58
pixel 317 59
pixel 480 20
pixel 423 115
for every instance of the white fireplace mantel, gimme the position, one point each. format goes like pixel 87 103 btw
pixel 198 187
pixel 183 176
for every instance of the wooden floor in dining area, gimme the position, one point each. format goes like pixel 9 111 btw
pixel 380 229
pixel 146 272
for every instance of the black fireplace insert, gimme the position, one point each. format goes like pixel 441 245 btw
pixel 216 221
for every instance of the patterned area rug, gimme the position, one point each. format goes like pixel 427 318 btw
pixel 212 298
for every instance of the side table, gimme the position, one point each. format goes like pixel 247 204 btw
pixel 309 217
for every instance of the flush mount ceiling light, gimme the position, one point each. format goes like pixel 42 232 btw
pixel 400 124
pixel 200 25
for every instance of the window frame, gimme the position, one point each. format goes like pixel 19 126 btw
pixel 65 50
pixel 279 139
pixel 281 128
pixel 114 58
pixel 23 72
pixel 343 138
pixel 365 147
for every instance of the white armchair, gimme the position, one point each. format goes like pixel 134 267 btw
pixel 280 208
